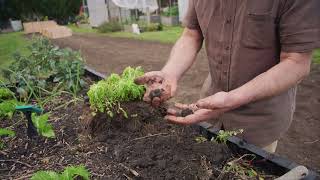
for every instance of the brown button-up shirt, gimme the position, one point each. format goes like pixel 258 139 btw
pixel 244 38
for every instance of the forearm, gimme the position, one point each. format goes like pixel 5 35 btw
pixel 292 68
pixel 183 54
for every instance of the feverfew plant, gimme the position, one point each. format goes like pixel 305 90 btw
pixel 107 94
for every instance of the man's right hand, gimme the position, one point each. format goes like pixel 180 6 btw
pixel 159 87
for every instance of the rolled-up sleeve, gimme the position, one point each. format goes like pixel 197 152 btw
pixel 190 20
pixel 299 26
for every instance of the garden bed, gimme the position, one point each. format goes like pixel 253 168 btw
pixel 129 140
pixel 142 146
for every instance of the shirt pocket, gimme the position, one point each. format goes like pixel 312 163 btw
pixel 259 30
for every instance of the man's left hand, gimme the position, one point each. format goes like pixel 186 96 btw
pixel 203 110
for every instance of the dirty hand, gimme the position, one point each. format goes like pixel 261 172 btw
pixel 203 110
pixel 159 87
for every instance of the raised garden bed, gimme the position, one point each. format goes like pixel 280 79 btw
pixel 139 146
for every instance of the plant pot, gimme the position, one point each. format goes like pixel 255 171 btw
pixel 170 20
pixel 16 25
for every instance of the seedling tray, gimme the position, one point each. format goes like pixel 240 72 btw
pixel 264 160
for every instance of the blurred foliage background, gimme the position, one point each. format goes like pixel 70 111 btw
pixel 62 11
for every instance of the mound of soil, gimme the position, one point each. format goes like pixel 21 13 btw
pixel 142 146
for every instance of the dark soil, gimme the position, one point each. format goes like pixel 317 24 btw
pixel 301 143
pixel 143 146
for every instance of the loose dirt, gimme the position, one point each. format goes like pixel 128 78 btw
pixel 301 143
pixel 142 146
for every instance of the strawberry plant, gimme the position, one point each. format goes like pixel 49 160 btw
pixel 70 173
pixel 43 127
pixel 45 68
pixel 108 94
pixel 5 132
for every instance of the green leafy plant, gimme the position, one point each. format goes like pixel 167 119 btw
pixel 8 107
pixel 224 135
pixel 106 95
pixel 83 18
pixel 44 69
pixel 43 127
pixel 171 11
pixel 148 27
pixel 242 167
pixel 6 93
pixel 70 173
pixel 112 26
pixel 5 132
pixel 60 10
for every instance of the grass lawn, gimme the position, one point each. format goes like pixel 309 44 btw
pixel 10 43
pixel 168 35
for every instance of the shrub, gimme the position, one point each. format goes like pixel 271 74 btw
pixel 171 11
pixel 82 18
pixel 32 10
pixel 112 26
pixel 145 27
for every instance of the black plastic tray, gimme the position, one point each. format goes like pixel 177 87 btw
pixel 267 161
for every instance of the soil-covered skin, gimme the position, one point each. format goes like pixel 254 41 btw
pixel 142 146
pixel 301 143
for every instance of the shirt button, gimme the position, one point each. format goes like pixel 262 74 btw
pixel 228 21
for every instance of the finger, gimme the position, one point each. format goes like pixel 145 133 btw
pixel 181 120
pixel 146 97
pixel 156 102
pixel 181 106
pixel 171 111
pixel 198 116
pixel 141 80
pixel 202 104
pixel 193 107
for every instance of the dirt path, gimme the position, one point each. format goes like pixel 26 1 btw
pixel 106 55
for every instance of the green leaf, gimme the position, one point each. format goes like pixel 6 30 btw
pixel 5 93
pixel 47 175
pixel 69 173
pixel 43 127
pixel 7 132
pixel 252 173
pixel 75 171
pixel 8 107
